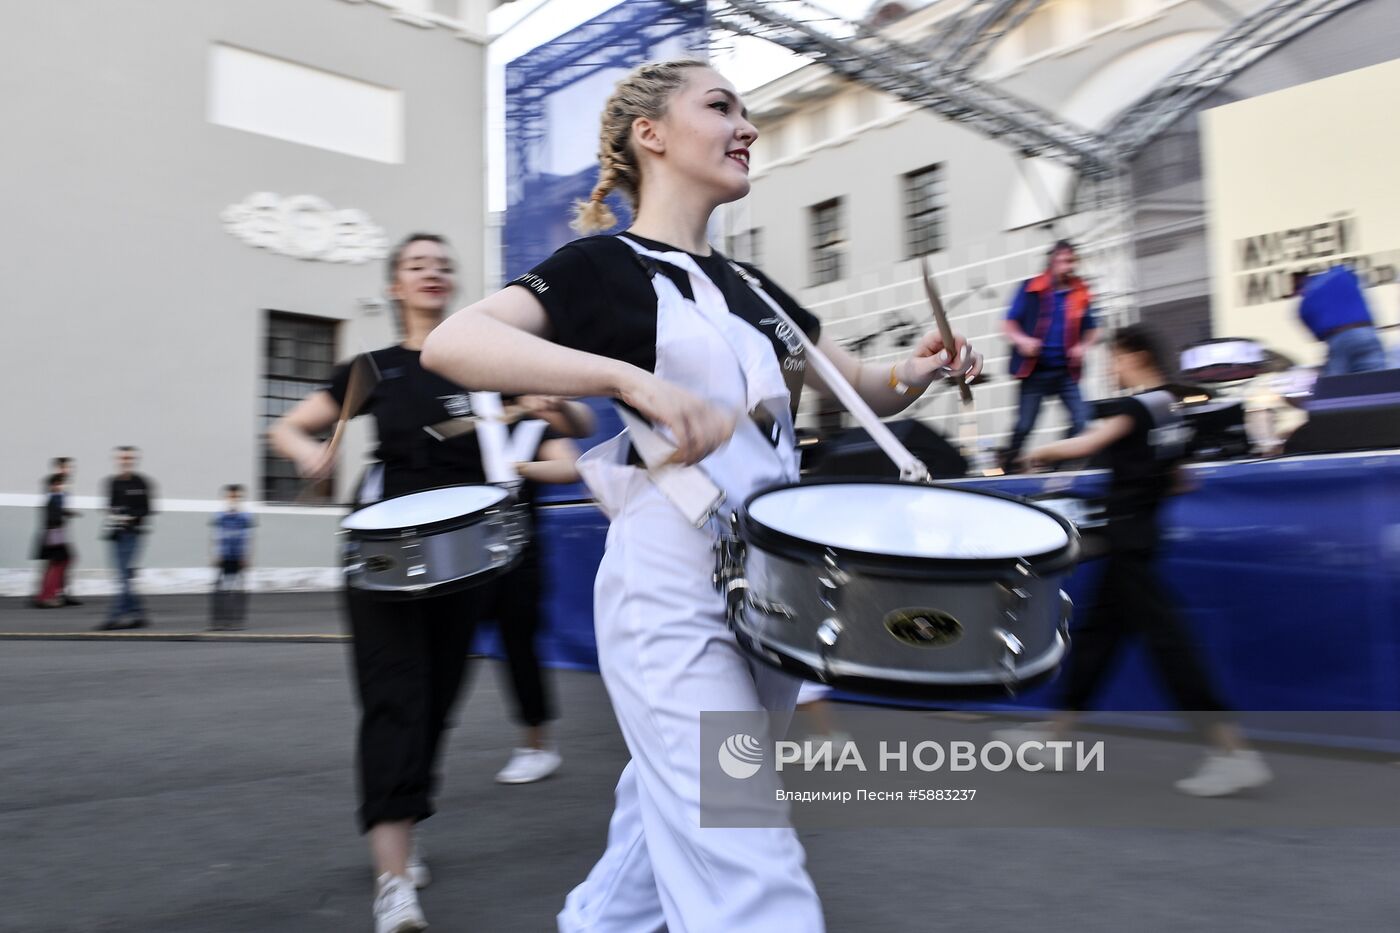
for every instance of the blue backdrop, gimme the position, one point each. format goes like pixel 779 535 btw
pixel 554 96
pixel 1288 572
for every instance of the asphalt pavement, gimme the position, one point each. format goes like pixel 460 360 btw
pixel 168 785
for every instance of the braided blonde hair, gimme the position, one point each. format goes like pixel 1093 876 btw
pixel 645 92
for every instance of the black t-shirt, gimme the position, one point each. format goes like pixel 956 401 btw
pixel 406 399
pixel 130 496
pixel 1143 464
pixel 599 298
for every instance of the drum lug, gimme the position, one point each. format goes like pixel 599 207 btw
pixel 828 634
pixel 1016 598
pixel 1011 651
pixel 831 581
pixel 412 548
pixel 1066 613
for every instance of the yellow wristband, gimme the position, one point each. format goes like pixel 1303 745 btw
pixel 896 384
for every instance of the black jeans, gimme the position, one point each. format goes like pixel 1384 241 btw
pixel 514 602
pixel 410 660
pixel 228 602
pixel 1035 388
pixel 1132 600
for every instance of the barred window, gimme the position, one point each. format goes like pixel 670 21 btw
pixel 298 359
pixel 825 224
pixel 746 246
pixel 923 211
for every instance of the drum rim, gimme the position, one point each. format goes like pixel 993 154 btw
pixel 894 689
pixel 898 565
pixel 433 527
pixel 388 594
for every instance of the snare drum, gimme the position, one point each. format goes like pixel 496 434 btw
pixel 1224 359
pixel 899 589
pixel 432 542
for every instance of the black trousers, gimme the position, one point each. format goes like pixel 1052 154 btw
pixel 410 660
pixel 514 602
pixel 1133 601
pixel 228 601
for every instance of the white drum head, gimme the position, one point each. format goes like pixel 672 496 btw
pixel 423 508
pixel 903 520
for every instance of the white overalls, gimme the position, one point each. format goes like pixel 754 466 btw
pixel 666 654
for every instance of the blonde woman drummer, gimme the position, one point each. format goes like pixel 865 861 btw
pixel 659 320
pixel 410 656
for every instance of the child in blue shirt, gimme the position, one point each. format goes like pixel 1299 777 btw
pixel 232 548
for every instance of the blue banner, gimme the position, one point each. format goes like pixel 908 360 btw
pixel 554 98
pixel 1287 573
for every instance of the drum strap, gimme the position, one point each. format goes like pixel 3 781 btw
pixel 911 468
pixel 689 488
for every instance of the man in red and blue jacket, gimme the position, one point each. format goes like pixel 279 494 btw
pixel 1050 325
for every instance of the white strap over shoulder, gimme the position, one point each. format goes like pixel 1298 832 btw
pixel 688 487
pixel 911 468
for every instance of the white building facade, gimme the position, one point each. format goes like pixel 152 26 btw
pixel 200 198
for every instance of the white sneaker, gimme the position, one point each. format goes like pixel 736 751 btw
pixel 1031 732
pixel 417 868
pixel 396 907
pixel 1224 774
pixel 527 765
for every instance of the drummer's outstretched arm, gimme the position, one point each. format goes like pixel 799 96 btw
pixel 294 434
pixel 567 417
pixel 889 389
pixel 558 463
pixel 1100 436
pixel 500 344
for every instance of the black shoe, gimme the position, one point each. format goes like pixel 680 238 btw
pixel 111 625
pixel 70 601
pixel 138 623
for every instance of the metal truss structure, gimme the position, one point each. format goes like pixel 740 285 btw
pixel 938 76
pixel 976 28
pixel 1246 42
pixel 872 58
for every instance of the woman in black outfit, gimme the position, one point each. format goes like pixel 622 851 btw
pixel 52 546
pixel 410 656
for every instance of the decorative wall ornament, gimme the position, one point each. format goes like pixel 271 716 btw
pixel 305 227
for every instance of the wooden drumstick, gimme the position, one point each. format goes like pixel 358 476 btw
pixel 945 330
pixel 364 376
pixel 456 427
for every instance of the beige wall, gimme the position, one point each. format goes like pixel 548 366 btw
pixel 1299 178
